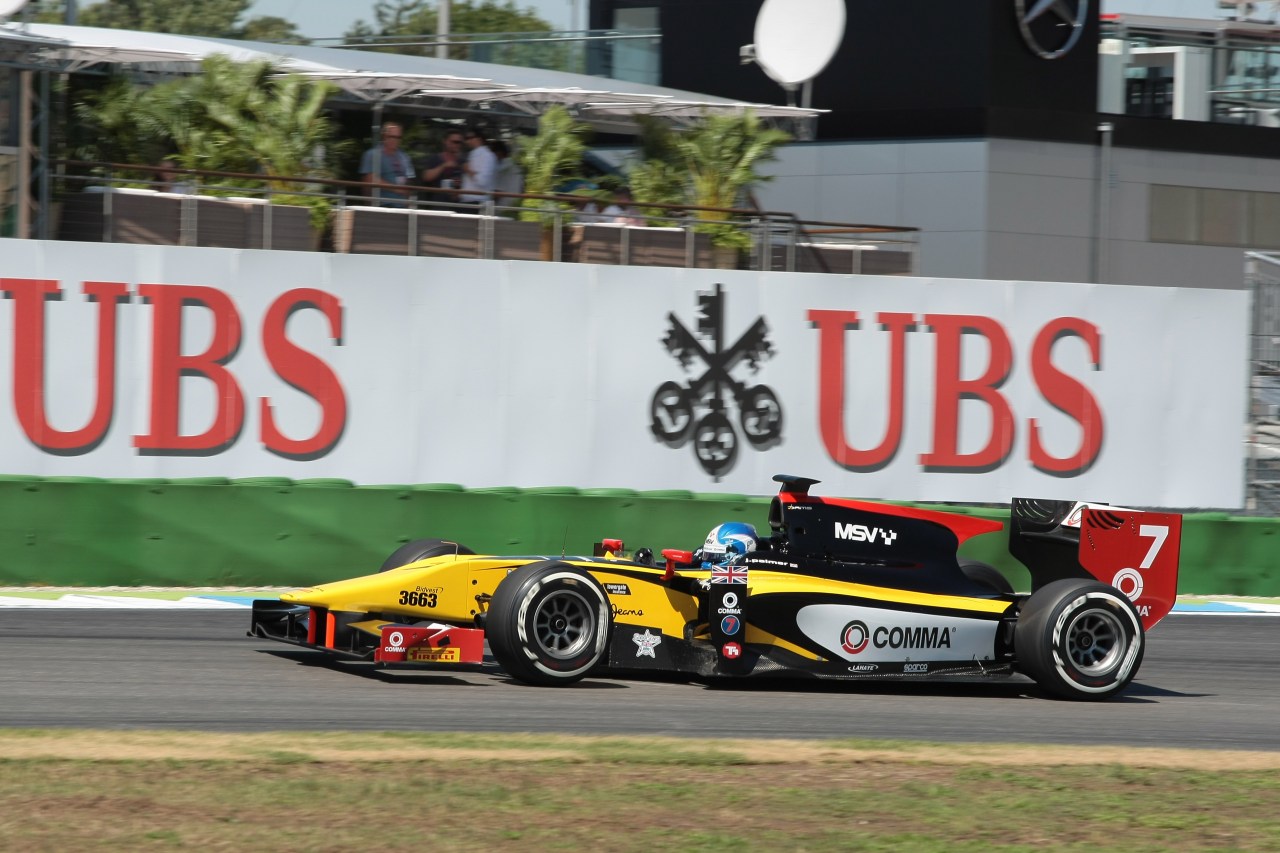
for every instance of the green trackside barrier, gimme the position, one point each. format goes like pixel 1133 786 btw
pixel 272 531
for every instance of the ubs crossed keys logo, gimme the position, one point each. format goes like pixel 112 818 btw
pixel 697 409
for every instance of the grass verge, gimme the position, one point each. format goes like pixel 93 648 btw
pixel 64 790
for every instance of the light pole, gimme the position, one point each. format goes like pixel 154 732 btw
pixel 442 29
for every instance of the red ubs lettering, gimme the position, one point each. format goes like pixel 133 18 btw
pixel 1065 393
pixel 301 369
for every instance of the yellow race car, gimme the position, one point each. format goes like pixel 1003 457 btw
pixel 839 588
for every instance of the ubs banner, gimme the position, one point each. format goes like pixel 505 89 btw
pixel 140 361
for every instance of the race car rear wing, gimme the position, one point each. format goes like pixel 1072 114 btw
pixel 1132 550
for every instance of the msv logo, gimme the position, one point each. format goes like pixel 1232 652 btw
pixel 700 409
pixel 862 533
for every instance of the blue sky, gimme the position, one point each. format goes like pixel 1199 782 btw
pixel 332 18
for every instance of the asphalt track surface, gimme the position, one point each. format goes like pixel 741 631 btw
pixel 1207 682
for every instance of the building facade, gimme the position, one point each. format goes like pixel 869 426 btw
pixel 1064 147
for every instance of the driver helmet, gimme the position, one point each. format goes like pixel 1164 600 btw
pixel 728 541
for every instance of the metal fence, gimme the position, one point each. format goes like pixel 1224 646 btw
pixel 1262 273
pixel 112 203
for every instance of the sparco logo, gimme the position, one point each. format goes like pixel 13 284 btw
pixel 856 636
pixel 862 533
pixel 700 408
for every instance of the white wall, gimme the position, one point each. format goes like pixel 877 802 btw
pixel 397 369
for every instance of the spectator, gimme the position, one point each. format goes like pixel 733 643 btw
pixel 621 210
pixel 588 209
pixel 387 164
pixel 509 179
pixel 480 171
pixel 444 170
pixel 169 182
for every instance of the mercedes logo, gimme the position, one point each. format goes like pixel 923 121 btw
pixel 1051 27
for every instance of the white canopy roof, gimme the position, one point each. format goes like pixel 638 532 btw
pixel 384 77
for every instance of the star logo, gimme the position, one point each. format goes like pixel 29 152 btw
pixel 646 643
pixel 1051 27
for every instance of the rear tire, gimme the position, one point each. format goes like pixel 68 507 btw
pixel 549 623
pixel 986 575
pixel 1079 639
pixel 421 549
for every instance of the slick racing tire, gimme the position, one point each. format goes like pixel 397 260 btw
pixel 421 549
pixel 1079 639
pixel 986 575
pixel 549 623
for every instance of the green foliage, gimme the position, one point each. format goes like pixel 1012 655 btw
pixel 658 177
pixel 549 158
pixel 713 164
pixel 232 117
pixel 398 18
pixel 272 29
pixel 215 18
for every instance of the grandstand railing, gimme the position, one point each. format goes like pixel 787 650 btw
pixel 124 203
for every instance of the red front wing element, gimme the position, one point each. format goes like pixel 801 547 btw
pixel 430 644
pixel 1137 553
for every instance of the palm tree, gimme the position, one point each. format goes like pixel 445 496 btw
pixel 549 158
pixel 232 117
pixel 713 164
pixel 721 155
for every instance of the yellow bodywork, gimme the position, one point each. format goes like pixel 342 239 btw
pixel 455 589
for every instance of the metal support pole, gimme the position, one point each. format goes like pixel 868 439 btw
pixel 25 155
pixel 44 187
pixel 443 27
pixel 1102 270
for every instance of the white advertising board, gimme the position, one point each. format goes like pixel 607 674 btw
pixel 143 361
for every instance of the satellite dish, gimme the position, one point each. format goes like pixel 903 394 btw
pixel 795 39
pixel 9 7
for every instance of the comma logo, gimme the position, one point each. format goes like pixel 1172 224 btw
pixel 855 636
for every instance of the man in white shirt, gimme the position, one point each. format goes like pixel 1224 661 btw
pixel 480 172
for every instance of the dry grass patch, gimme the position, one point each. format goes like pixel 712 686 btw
pixel 136 790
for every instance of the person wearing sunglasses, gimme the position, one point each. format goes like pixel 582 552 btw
pixel 480 172
pixel 444 170
pixel 387 164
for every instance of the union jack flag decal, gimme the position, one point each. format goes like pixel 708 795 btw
pixel 728 574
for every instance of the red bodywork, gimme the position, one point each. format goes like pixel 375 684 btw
pixel 430 644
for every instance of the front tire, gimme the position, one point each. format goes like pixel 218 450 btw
pixel 1079 639
pixel 549 623
pixel 421 549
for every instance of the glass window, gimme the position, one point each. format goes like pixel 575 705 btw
pixel 636 58
pixel 1265 221
pixel 1224 217
pixel 1174 214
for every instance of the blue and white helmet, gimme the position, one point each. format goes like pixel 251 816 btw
pixel 729 541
